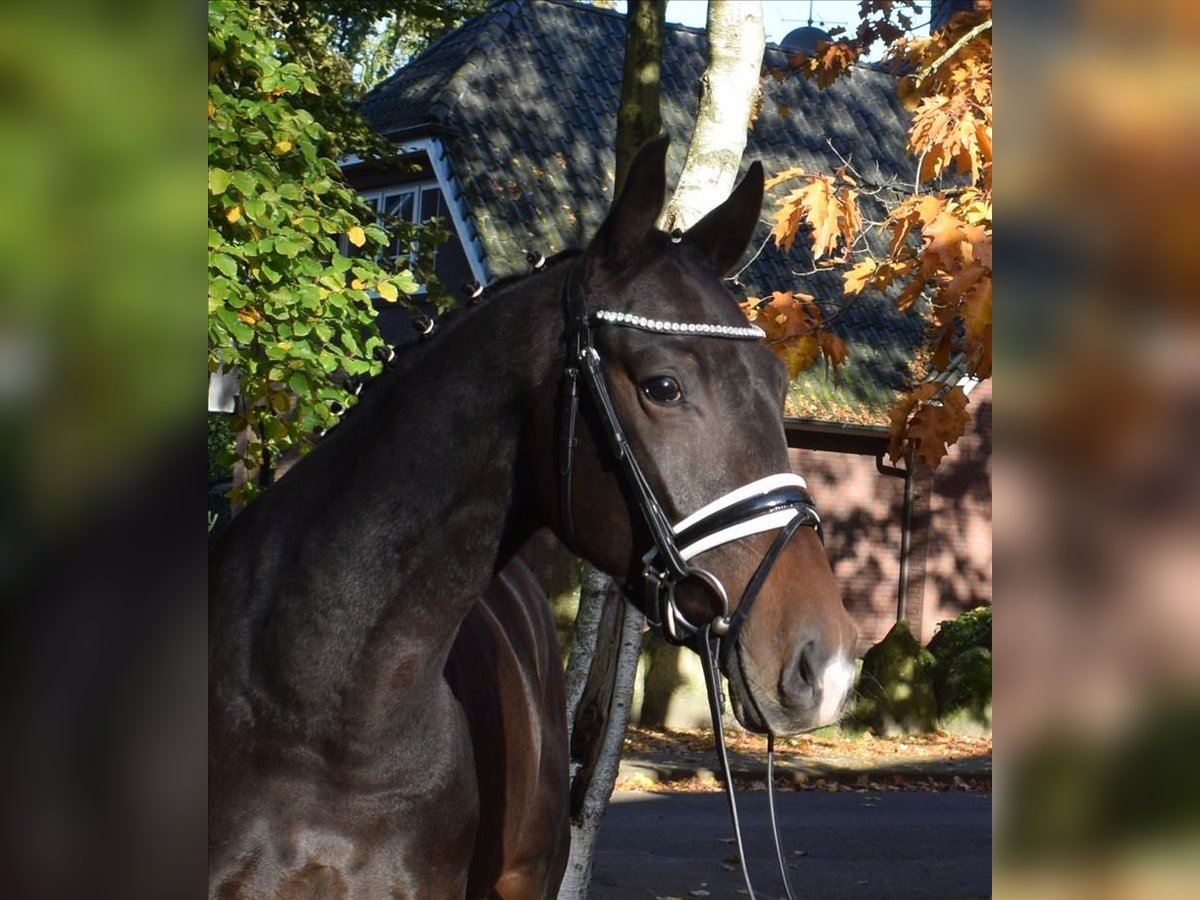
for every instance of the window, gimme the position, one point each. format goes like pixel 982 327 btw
pixel 411 203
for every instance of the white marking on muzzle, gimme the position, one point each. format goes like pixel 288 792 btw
pixel 836 682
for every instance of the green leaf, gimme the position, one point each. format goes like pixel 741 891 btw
pixel 288 247
pixel 218 180
pixel 224 264
pixel 299 383
pixel 245 182
pixel 328 361
pixel 241 331
pixel 255 208
pixel 407 282
pixel 309 296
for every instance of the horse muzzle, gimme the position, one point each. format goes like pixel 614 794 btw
pixel 809 691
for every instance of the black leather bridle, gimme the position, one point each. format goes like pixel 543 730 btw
pixel 779 502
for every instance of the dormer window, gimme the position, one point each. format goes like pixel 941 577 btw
pixel 411 203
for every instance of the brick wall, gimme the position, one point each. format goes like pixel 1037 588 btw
pixel 861 515
pixel 958 568
pixel 862 511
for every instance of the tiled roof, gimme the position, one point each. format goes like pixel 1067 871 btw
pixel 524 99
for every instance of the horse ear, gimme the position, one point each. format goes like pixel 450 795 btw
pixel 723 234
pixel 635 211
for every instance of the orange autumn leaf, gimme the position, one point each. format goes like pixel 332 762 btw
pixel 785 175
pixel 784 315
pixel 859 276
pixel 898 419
pixel 928 426
pixel 976 310
pixel 833 348
pixel 829 208
pixel 798 353
pixel 933 428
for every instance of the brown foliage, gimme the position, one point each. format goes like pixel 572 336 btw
pixel 794 326
pixel 939 239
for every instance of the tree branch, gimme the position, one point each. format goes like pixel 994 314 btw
pixel 954 48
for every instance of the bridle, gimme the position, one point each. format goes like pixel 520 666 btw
pixel 778 503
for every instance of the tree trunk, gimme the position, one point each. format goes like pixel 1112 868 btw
pixel 605 648
pixel 638 117
pixel 728 93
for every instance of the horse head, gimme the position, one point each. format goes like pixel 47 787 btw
pixel 674 473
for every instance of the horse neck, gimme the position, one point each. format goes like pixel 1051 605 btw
pixel 358 566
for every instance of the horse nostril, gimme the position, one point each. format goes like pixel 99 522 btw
pixel 801 682
pixel 807 676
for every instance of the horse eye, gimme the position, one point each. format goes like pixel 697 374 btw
pixel 662 389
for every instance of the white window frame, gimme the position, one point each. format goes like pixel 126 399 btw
pixel 413 189
pixel 452 197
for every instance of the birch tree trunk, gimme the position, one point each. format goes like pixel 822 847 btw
pixel 605 647
pixel 728 93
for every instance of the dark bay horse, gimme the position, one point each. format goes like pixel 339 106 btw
pixel 616 396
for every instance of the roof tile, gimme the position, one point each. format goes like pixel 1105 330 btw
pixel 528 95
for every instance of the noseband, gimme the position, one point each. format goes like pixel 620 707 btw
pixel 778 502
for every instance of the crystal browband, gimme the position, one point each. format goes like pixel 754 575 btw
pixel 659 326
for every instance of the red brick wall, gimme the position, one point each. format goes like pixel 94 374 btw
pixel 861 514
pixel 959 565
pixel 862 510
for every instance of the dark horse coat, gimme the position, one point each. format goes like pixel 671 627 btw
pixel 373 732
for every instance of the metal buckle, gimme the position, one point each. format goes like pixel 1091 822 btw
pixel 676 625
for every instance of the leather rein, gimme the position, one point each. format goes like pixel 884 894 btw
pixel 778 503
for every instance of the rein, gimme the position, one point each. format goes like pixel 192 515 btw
pixel 778 502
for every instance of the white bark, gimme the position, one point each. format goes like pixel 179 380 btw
pixel 593 584
pixel 589 647
pixel 728 92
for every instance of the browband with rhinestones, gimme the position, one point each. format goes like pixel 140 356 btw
pixel 659 326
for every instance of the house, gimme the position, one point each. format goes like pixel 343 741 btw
pixel 512 118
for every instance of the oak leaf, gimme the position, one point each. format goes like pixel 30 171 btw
pixel 934 427
pixel 798 353
pixel 859 276
pixel 833 348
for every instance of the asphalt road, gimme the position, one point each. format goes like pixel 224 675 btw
pixel 878 845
